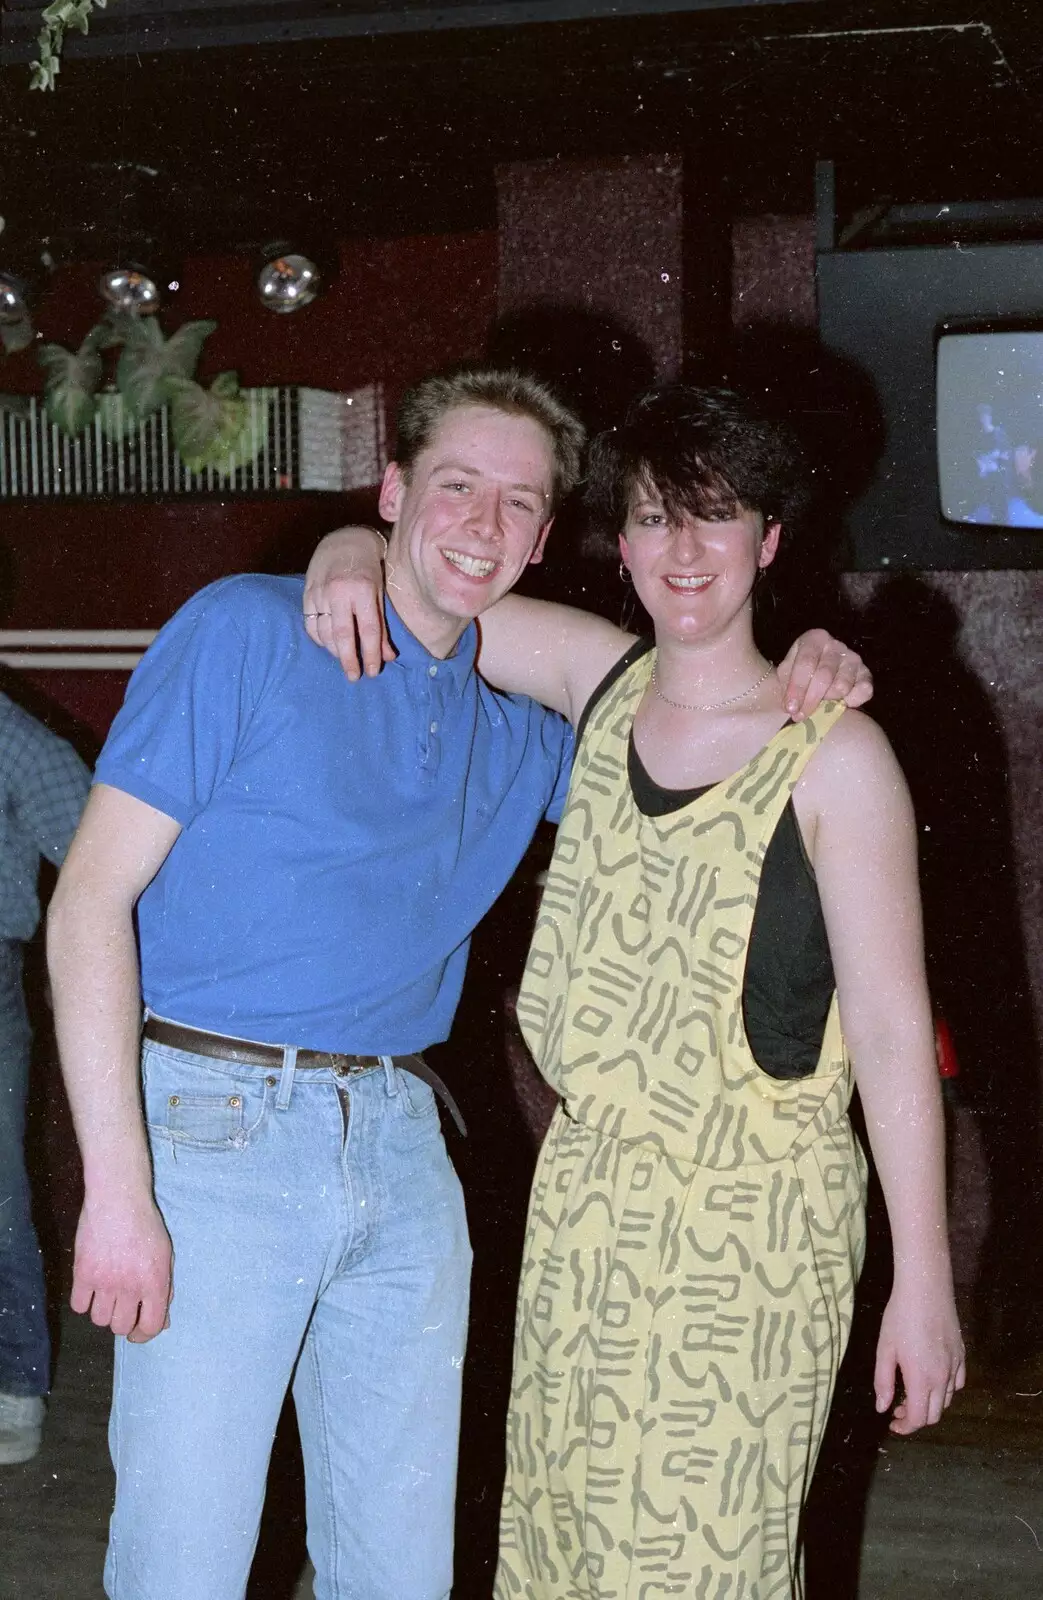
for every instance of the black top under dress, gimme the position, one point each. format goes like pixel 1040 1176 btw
pixel 789 978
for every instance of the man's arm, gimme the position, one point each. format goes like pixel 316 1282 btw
pixel 122 1271
pixel 344 600
pixel 556 654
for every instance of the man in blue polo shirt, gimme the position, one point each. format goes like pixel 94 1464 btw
pixel 306 861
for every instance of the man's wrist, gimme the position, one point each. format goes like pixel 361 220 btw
pixel 364 528
pixel 118 1175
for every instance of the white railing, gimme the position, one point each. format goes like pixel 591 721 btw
pixel 300 439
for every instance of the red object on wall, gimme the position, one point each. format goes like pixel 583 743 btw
pixel 948 1065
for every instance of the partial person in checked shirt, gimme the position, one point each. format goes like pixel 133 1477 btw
pixel 43 789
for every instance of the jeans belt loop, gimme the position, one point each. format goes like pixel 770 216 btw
pixel 388 1063
pixel 286 1077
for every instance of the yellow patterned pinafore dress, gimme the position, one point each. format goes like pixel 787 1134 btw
pixel 696 1226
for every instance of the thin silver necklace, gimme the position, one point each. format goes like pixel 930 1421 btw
pixel 715 705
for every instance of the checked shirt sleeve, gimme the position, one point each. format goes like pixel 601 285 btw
pixel 47 784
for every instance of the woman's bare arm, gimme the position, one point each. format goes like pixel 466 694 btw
pixel 854 804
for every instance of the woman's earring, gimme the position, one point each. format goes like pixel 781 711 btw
pixel 627 609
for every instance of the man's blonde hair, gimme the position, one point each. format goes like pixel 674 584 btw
pixel 507 390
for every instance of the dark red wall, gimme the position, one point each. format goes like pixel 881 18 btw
pixel 395 309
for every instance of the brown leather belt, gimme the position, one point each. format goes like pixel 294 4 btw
pixel 178 1036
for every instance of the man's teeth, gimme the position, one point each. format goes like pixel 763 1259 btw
pixel 472 566
pixel 688 583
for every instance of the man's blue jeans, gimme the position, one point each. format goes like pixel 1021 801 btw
pixel 25 1353
pixel 320 1239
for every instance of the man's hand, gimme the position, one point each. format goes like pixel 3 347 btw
pixel 344 600
pixel 122 1271
pixel 818 667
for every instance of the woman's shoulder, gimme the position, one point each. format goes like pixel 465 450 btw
pixel 854 754
pixel 855 734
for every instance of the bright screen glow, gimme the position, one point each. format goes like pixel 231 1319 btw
pixel 990 428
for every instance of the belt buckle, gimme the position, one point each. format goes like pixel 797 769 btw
pixel 346 1066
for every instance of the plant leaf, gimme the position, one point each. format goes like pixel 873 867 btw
pixel 225 386
pixel 57 18
pixel 72 378
pixel 185 344
pixel 43 72
pixel 42 76
pixel 113 416
pixel 147 360
pixel 16 335
pixel 114 329
pixel 211 427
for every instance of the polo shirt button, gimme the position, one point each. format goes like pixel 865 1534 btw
pixel 432 672
pixel 434 727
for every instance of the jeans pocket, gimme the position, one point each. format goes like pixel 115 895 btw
pixel 200 1106
pixel 417 1097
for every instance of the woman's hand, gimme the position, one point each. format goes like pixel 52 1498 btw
pixel 919 1338
pixel 344 600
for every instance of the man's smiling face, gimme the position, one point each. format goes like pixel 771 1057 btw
pixel 471 513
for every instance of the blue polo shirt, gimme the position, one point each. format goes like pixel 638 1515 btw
pixel 339 841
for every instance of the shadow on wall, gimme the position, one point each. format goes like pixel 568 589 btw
pixel 597 364
pixel 834 408
pixel 948 738
pixel 594 361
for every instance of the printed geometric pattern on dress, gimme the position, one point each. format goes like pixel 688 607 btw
pixel 642 939
pixel 695 1230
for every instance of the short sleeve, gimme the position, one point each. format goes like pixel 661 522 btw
pixel 561 787
pixel 187 704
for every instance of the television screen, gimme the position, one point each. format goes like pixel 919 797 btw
pixel 990 428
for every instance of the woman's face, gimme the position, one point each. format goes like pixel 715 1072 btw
pixel 694 576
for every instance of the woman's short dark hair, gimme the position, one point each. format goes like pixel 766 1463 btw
pixel 500 389
pixel 707 452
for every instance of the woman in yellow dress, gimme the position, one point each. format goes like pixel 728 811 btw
pixel 730 930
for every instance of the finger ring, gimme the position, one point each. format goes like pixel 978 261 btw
pixel 309 614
